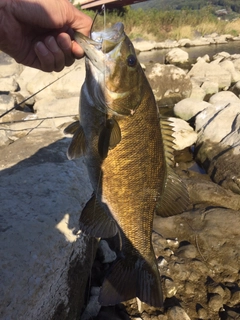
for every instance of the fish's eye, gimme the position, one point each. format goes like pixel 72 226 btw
pixel 131 60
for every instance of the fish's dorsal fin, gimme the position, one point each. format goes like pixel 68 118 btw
pixel 174 198
pixel 95 221
pixel 109 137
pixel 72 128
pixel 78 144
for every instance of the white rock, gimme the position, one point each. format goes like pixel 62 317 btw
pixel 222 55
pixel 8 84
pixel 215 123
pixel 176 55
pixel 184 135
pixel 189 107
pixel 213 72
pixel 197 92
pixel 224 97
pixel 67 86
pixel 144 45
pixel 209 88
pixel 229 66
pixel 59 110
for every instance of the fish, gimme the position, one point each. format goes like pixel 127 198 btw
pixel 128 151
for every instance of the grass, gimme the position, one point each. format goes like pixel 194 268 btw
pixel 161 25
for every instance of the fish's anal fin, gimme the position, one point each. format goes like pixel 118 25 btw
pixel 126 282
pixel 175 197
pixel 77 146
pixel 72 128
pixel 109 137
pixel 95 221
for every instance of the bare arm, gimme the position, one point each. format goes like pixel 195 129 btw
pixel 38 33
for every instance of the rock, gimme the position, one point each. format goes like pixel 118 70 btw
pixel 66 87
pixel 45 260
pixel 212 72
pixel 170 288
pixel 184 135
pixel 169 83
pixel 59 111
pixel 203 191
pixel 189 108
pixel 93 306
pixel 197 92
pixel 210 88
pixel 6 103
pixel 177 313
pixel 224 97
pixel 229 66
pixel 143 45
pixel 236 89
pixel 215 302
pixel 8 85
pixel 107 254
pixel 176 55
pixel 187 251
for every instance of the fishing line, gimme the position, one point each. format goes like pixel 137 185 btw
pixel 34 94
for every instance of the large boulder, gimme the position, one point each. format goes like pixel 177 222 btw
pixel 45 259
pixel 218 143
pixel 169 83
pixel 212 72
pixel 176 55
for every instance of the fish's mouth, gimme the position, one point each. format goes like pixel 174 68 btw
pixel 101 43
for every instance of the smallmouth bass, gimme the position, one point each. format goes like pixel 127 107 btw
pixel 128 153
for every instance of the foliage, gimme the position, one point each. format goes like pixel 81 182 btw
pixel 155 24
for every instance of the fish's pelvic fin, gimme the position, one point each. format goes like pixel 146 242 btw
pixel 95 221
pixel 72 128
pixel 126 282
pixel 78 144
pixel 175 197
pixel 109 137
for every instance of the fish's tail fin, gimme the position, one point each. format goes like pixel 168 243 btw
pixel 127 281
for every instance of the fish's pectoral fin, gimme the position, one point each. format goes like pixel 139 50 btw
pixel 109 137
pixel 72 128
pixel 95 221
pixel 174 198
pixel 115 137
pixel 78 144
pixel 127 281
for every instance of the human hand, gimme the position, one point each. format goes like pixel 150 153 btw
pixel 38 33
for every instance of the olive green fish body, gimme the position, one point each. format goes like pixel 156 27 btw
pixel 122 141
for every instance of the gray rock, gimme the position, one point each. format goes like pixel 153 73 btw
pixel 44 257
pixel 170 84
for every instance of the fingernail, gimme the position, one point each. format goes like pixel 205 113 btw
pixel 41 48
pixel 52 44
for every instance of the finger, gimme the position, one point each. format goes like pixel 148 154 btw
pixel 77 50
pixel 45 57
pixel 65 44
pixel 59 58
